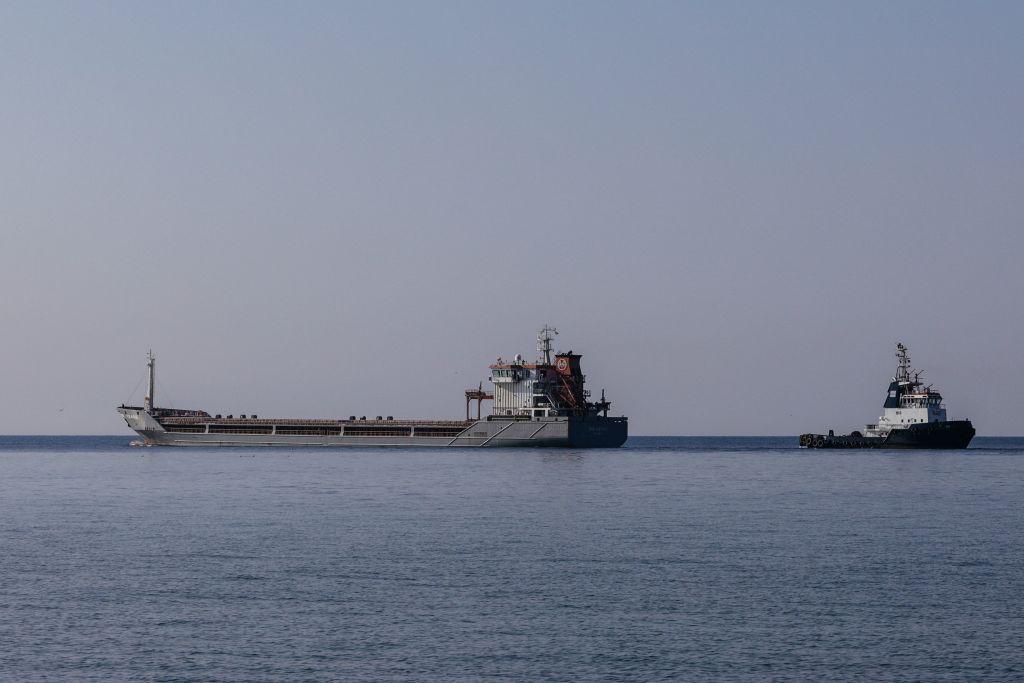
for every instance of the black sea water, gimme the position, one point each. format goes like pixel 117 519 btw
pixel 682 559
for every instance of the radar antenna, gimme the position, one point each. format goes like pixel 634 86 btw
pixel 544 338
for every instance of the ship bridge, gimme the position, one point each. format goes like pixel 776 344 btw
pixel 553 386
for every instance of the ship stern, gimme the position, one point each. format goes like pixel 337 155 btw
pixel 598 432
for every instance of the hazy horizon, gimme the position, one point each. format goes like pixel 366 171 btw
pixel 732 210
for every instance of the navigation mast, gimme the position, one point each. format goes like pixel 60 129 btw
pixel 903 369
pixel 544 338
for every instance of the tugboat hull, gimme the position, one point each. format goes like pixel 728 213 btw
pixel 951 434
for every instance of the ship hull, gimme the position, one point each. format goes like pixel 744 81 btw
pixel 564 432
pixel 950 434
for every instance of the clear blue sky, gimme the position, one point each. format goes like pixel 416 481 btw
pixel 733 210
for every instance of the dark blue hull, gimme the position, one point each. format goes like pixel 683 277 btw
pixel 597 432
pixel 952 434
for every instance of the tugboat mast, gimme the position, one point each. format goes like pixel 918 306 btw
pixel 903 368
pixel 151 365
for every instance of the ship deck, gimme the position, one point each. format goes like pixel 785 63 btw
pixel 314 422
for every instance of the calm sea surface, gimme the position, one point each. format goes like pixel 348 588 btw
pixel 671 559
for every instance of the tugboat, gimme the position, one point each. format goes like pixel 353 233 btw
pixel 913 417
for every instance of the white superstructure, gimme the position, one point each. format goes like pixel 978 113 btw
pixel 908 402
pixel 551 387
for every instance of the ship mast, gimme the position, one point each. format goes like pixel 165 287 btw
pixel 903 369
pixel 148 403
pixel 544 345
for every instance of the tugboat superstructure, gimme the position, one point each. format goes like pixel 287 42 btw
pixel 533 404
pixel 913 416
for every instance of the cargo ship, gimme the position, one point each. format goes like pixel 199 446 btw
pixel 539 404
pixel 913 416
